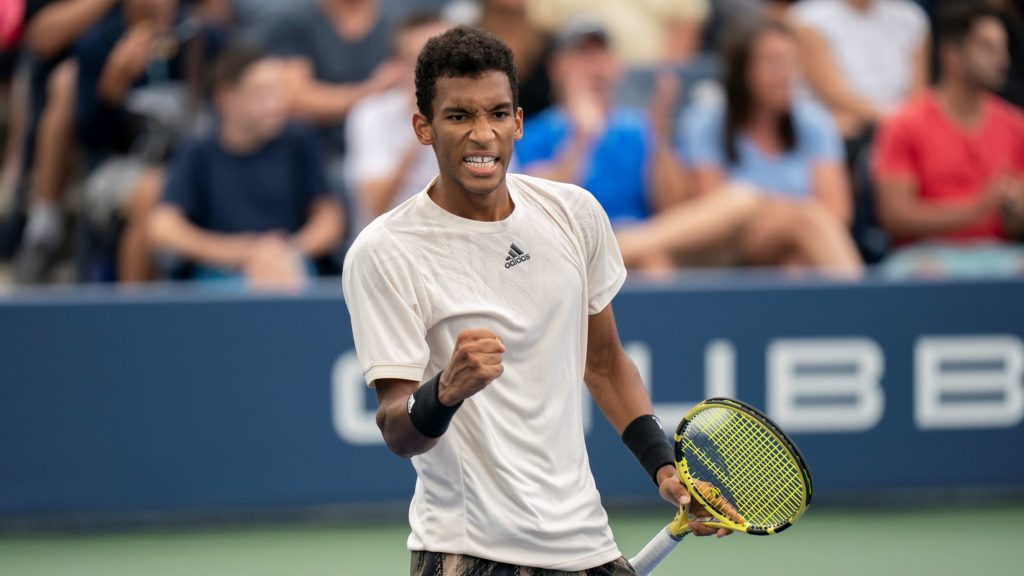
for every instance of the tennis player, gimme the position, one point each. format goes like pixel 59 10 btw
pixel 479 308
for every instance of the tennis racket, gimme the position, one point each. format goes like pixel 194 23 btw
pixel 741 468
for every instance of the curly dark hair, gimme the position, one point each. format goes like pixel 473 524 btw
pixel 462 52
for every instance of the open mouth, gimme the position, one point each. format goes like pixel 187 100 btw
pixel 481 163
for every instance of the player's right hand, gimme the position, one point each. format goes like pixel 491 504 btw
pixel 475 363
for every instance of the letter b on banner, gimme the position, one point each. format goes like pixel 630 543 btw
pixel 968 382
pixel 825 385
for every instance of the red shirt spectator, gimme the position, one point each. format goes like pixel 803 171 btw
pixel 951 164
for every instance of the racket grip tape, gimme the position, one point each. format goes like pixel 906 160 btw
pixel 654 552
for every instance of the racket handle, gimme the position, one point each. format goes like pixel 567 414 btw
pixel 654 552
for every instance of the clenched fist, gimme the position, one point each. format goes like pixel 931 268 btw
pixel 476 362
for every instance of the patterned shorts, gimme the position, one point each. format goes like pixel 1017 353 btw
pixel 437 564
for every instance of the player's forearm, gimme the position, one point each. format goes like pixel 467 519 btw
pixel 400 436
pixel 618 390
pixel 58 25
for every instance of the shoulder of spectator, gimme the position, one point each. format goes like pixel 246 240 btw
pixel 703 118
pixel 1006 110
pixel 809 115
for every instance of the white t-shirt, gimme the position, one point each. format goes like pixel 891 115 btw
pixel 379 132
pixel 510 480
pixel 873 48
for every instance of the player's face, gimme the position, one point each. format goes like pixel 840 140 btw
pixel 772 71
pixel 473 131
pixel 985 54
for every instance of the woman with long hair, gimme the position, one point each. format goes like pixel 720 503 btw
pixel 786 149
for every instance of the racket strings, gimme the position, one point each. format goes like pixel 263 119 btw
pixel 774 488
pixel 757 494
pixel 744 441
pixel 751 495
pixel 747 462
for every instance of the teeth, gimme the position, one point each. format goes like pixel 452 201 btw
pixel 481 161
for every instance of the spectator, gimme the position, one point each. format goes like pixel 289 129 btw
pixel 786 148
pixel 386 164
pixel 337 54
pixel 625 158
pixel 251 199
pixel 531 47
pixel 586 139
pixel 254 20
pixel 862 58
pixel 52 28
pixel 641 32
pixel 950 164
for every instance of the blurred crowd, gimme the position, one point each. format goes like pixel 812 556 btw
pixel 251 140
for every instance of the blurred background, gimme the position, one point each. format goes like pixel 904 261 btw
pixel 821 203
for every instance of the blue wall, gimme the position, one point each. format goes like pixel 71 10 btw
pixel 184 400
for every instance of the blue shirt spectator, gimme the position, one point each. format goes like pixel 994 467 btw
pixel 789 174
pixel 270 189
pixel 617 168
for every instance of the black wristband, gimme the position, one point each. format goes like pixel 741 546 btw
pixel 428 415
pixel 646 439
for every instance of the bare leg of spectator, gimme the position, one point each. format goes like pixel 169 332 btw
pixel 134 258
pixel 687 228
pixel 11 168
pixel 44 231
pixel 801 234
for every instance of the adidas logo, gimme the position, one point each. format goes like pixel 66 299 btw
pixel 515 256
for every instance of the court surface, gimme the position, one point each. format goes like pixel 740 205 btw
pixel 827 542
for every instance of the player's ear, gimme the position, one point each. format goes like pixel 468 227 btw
pixel 421 126
pixel 519 124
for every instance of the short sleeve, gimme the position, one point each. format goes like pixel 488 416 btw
pixel 894 150
pixel 821 139
pixel 701 136
pixel 383 295
pixel 605 270
pixel 181 188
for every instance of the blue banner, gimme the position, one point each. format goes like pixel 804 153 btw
pixel 187 400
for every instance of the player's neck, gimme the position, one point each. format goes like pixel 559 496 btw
pixel 490 207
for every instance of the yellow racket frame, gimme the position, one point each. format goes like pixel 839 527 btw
pixel 707 496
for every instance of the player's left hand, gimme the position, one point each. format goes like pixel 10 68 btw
pixel 675 493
